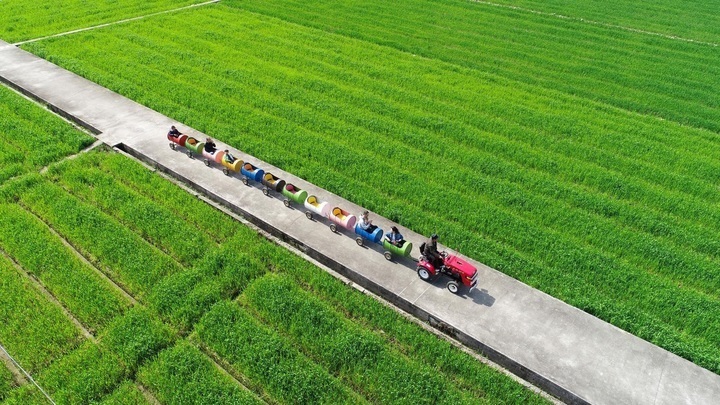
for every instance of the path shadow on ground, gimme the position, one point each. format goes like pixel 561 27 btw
pixel 482 297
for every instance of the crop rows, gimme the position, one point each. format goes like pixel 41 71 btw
pixel 607 210
pixel 98 201
pixel 27 19
pixel 30 138
pixel 651 75
pixel 697 20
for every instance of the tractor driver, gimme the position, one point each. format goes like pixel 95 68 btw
pixel 209 146
pixel 431 252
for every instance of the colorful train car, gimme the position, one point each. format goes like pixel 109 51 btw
pixel 272 182
pixel 390 249
pixel 315 206
pixel 339 216
pixel 293 194
pixel 375 236
pixel 251 172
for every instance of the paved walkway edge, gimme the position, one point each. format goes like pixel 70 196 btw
pixel 491 353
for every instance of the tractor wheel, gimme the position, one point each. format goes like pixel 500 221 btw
pixel 266 191
pixel 189 154
pixel 333 228
pixel 388 255
pixel 359 241
pixel 226 171
pixel 423 273
pixel 308 214
pixel 287 203
pixel 245 181
pixel 207 162
pixel 453 287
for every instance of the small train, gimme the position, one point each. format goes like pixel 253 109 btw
pixel 460 272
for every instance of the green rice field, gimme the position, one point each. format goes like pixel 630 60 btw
pixel 119 287
pixel 578 158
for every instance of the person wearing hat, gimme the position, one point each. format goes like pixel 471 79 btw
pixel 209 145
pixel 431 252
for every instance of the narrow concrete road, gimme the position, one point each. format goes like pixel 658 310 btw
pixel 565 351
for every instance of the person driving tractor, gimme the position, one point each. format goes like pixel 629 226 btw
pixel 431 252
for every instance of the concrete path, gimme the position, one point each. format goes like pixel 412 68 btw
pixel 565 351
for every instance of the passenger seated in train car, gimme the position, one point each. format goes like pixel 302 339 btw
pixel 365 222
pixel 431 252
pixel 173 132
pixel 394 237
pixel 210 146
pixel 228 157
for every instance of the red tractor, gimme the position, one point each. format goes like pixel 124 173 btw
pixel 459 270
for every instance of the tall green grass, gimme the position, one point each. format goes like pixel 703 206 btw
pixel 614 212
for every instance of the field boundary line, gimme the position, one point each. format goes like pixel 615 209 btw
pixel 115 22
pixel 596 23
pixel 147 394
pixel 29 377
pixel 49 296
pixel 80 256
pixel 227 369
pixel 18 376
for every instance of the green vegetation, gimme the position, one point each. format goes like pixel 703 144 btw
pixel 91 299
pixel 27 19
pixel 30 137
pixel 7 383
pixel 126 394
pixel 531 143
pixel 188 323
pixel 263 356
pixel 183 375
pixel 33 330
pixel 695 19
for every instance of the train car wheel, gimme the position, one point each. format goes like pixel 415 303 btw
pixel 207 162
pixel 287 203
pixel 173 146
pixel 189 154
pixel 226 171
pixel 359 241
pixel 388 255
pixel 333 227
pixel 266 191
pixel 245 181
pixel 308 214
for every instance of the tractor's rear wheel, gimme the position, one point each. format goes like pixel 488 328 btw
pixel 453 287
pixel 423 273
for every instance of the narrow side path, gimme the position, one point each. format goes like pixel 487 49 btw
pixel 567 352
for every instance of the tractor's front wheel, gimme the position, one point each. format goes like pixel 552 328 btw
pixel 453 287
